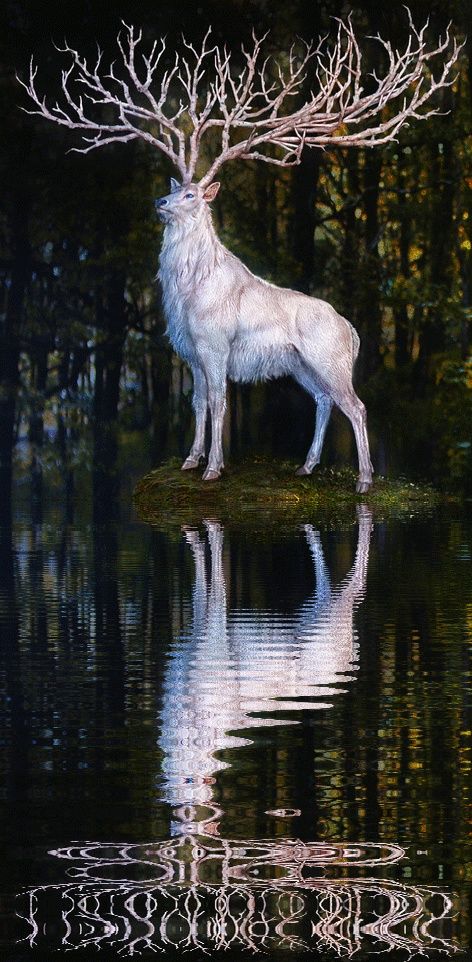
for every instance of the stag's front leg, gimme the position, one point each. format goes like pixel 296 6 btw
pixel 200 406
pixel 200 588
pixel 217 606
pixel 215 371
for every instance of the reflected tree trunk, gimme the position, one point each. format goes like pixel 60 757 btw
pixel 15 720
pixel 110 681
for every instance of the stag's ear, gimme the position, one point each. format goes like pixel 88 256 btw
pixel 174 185
pixel 211 191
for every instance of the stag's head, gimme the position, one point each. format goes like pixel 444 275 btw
pixel 185 201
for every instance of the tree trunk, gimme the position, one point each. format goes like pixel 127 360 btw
pixel 371 317
pixel 351 243
pixel 161 371
pixel 465 263
pixel 262 202
pixel 304 192
pixel 39 374
pixel 272 219
pixel 108 364
pixel 433 340
pixel 10 332
pixel 402 324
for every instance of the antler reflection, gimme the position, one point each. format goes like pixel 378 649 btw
pixel 211 894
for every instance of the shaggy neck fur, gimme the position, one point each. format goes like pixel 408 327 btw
pixel 190 251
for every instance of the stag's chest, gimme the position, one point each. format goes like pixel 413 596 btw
pixel 194 294
pixel 177 297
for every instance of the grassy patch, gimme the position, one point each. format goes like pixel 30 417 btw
pixel 262 492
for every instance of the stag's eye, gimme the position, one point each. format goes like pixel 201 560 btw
pixel 189 196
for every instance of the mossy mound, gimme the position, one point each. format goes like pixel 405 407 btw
pixel 261 492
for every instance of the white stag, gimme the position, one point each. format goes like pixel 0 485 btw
pixel 222 320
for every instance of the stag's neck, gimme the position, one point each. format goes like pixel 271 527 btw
pixel 190 251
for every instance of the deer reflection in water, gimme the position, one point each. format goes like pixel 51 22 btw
pixel 231 664
pixel 197 891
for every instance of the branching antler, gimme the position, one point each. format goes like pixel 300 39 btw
pixel 173 107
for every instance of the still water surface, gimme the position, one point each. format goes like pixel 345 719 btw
pixel 219 741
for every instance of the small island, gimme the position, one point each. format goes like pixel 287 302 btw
pixel 261 491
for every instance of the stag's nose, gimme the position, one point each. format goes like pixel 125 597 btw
pixel 161 202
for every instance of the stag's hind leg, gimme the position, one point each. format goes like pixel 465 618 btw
pixel 352 406
pixel 324 406
pixel 341 392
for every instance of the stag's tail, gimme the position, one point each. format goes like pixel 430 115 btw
pixel 356 341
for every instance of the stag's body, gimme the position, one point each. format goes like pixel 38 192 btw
pixel 227 323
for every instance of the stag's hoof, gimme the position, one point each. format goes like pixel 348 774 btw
pixel 213 526
pixel 211 475
pixel 190 464
pixel 362 487
pixel 192 536
pixel 302 472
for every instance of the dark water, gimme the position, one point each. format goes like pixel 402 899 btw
pixel 219 743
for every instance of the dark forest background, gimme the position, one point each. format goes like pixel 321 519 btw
pixel 88 383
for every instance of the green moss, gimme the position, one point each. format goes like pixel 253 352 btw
pixel 260 492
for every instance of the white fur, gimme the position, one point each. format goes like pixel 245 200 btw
pixel 226 322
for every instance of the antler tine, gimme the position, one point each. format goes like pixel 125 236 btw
pixel 251 104
pixel 132 119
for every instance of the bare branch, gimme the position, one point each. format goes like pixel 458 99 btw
pixel 172 106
